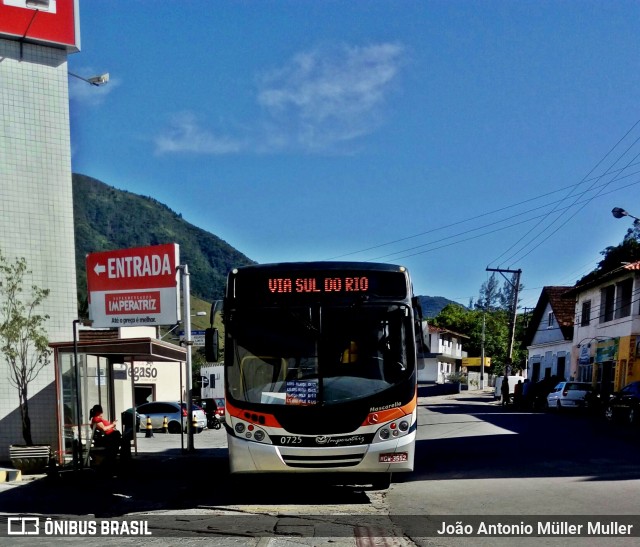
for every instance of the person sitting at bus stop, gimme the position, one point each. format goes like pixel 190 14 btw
pixel 106 433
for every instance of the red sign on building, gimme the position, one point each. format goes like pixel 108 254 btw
pixel 49 22
pixel 134 287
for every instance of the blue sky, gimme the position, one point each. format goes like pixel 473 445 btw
pixel 447 136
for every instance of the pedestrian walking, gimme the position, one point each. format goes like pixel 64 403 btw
pixel 504 390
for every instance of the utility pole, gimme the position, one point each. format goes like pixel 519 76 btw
pixel 514 310
pixel 482 354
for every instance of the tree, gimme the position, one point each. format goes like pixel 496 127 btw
pixel 23 340
pixel 507 293
pixel 614 257
pixel 456 318
pixel 489 298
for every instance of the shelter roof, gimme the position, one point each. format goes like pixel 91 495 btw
pixel 127 349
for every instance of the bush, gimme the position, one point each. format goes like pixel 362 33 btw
pixel 457 377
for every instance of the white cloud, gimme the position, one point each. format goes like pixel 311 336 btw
pixel 328 96
pixel 317 101
pixel 186 135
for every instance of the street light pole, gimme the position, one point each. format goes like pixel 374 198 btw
pixel 99 80
pixel 619 212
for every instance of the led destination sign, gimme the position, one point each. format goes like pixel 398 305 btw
pixel 312 284
pixel 256 284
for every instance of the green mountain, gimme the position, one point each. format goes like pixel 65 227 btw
pixel 431 305
pixel 107 218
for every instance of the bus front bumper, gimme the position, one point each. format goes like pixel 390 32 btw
pixel 392 456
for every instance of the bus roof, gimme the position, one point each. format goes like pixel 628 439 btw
pixel 325 265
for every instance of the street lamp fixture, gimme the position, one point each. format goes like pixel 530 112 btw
pixel 619 212
pixel 99 80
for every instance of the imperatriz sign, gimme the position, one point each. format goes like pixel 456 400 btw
pixel 134 287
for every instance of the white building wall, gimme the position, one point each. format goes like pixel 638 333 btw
pixel 36 211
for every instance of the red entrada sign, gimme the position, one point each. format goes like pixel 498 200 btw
pixel 133 287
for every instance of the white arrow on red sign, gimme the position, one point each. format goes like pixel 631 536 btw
pixel 100 269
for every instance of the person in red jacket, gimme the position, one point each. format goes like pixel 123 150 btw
pixel 106 433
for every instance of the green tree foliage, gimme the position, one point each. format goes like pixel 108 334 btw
pixel 23 339
pixel 489 298
pixel 614 257
pixel 458 319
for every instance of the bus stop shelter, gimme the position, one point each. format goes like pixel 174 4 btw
pixel 97 369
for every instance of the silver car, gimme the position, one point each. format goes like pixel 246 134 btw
pixel 175 412
pixel 569 395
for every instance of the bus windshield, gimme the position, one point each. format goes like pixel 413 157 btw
pixel 317 355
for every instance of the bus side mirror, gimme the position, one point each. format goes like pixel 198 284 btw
pixel 211 352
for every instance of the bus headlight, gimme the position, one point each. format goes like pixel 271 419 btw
pixel 259 435
pixel 393 430
pixel 239 428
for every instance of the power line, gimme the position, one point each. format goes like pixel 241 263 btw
pixel 499 210
pixel 480 228
pixel 585 179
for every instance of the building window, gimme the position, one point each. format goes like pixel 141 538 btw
pixel 607 303
pixel 623 298
pixel 586 313
pixel 585 373
pixel 615 300
pixel 551 319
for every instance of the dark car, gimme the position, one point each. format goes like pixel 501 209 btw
pixel 221 408
pixel 625 404
pixel 541 389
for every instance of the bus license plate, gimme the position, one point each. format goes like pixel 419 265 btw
pixel 394 458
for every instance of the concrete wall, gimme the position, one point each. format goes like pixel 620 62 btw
pixel 36 210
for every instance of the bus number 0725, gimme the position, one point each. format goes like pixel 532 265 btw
pixel 290 440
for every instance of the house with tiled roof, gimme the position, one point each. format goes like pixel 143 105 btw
pixel 549 337
pixel 445 355
pixel 607 328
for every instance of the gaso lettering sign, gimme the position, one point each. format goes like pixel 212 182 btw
pixel 134 287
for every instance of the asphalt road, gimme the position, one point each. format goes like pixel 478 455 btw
pixel 473 458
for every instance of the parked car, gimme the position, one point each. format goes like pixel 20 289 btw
pixel 569 395
pixel 625 404
pixel 540 390
pixel 175 412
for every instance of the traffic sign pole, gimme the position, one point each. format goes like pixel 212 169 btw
pixel 186 298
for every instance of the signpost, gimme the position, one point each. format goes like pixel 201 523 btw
pixel 134 287
pixel 197 337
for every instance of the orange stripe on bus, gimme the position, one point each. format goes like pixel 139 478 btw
pixel 384 416
pixel 259 418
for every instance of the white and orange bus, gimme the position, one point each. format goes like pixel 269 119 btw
pixel 320 369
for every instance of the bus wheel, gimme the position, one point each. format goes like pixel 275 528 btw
pixel 381 481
